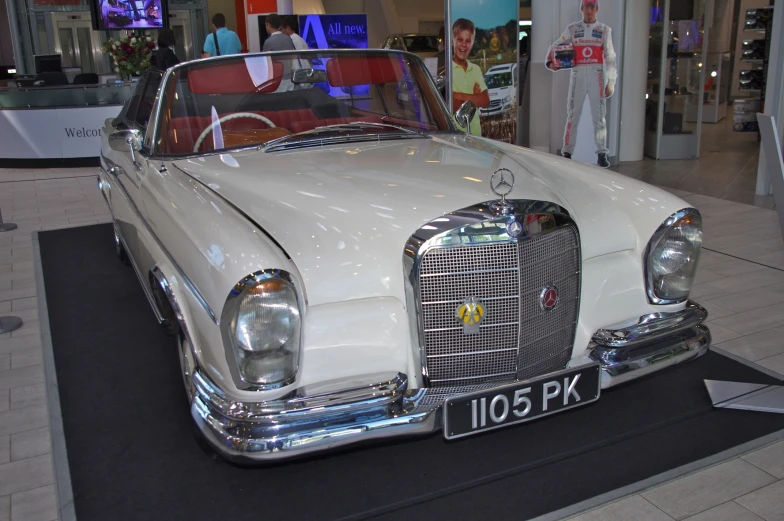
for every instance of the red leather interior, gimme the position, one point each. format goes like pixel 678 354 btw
pixel 233 77
pixel 348 71
pixel 183 132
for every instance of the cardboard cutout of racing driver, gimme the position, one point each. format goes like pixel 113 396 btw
pixel 586 49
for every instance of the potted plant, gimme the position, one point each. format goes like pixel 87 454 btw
pixel 130 54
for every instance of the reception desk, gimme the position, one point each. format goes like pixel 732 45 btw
pixel 56 126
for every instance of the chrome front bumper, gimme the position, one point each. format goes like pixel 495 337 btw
pixel 381 406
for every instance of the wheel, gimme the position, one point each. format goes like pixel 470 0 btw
pixel 119 249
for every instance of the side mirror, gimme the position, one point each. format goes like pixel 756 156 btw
pixel 465 114
pixel 126 141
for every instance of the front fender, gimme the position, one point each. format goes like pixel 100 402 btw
pixel 203 247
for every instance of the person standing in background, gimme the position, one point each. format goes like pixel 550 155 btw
pixel 222 41
pixel 277 41
pixel 289 27
pixel 164 56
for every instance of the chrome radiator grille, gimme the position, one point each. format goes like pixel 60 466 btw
pixel 517 338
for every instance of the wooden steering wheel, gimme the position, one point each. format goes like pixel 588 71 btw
pixel 229 117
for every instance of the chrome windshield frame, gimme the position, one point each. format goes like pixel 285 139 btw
pixel 172 73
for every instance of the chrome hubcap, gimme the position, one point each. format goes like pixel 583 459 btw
pixel 186 366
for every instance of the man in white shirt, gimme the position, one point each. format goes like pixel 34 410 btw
pixel 277 41
pixel 290 27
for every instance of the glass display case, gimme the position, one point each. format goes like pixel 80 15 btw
pixel 676 93
pixel 752 77
pixel 717 90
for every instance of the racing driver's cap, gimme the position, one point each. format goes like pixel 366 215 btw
pixel 594 3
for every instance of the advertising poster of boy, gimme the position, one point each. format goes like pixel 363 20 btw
pixel 485 64
pixel 468 82
pixel 585 48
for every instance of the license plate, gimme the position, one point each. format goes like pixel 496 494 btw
pixel 468 414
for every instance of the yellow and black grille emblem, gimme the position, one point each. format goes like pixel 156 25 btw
pixel 470 313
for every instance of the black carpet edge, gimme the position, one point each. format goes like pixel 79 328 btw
pixel 65 503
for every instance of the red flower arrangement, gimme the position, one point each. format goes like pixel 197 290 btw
pixel 131 55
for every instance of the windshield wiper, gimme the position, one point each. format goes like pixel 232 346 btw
pixel 281 141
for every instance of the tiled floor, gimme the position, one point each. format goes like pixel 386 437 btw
pixel 740 281
pixel 726 169
pixel 34 200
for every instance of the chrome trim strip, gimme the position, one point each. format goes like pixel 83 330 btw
pixel 460 327
pixel 650 327
pixel 463 378
pixel 484 299
pixel 230 311
pixel 465 222
pixel 473 353
pixel 446 273
pixel 655 238
pixel 186 280
pixel 145 286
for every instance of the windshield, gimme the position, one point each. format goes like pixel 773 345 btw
pixel 495 81
pixel 250 100
pixel 421 43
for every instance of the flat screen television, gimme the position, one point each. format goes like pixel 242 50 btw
pixel 116 15
pixel 48 63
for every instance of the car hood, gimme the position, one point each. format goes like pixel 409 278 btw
pixel 344 213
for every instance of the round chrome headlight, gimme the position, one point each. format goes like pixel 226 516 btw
pixel 263 326
pixel 671 257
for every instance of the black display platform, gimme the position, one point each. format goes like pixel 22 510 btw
pixel 132 454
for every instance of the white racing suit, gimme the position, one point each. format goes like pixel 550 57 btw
pixel 593 51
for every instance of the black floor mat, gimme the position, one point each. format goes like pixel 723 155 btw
pixel 132 454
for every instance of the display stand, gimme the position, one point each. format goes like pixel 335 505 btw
pixel 717 86
pixel 677 100
pixel 752 80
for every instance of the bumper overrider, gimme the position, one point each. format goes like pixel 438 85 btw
pixel 378 406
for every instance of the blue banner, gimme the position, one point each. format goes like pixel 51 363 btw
pixel 335 31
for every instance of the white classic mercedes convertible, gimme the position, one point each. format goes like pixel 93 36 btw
pixel 339 262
